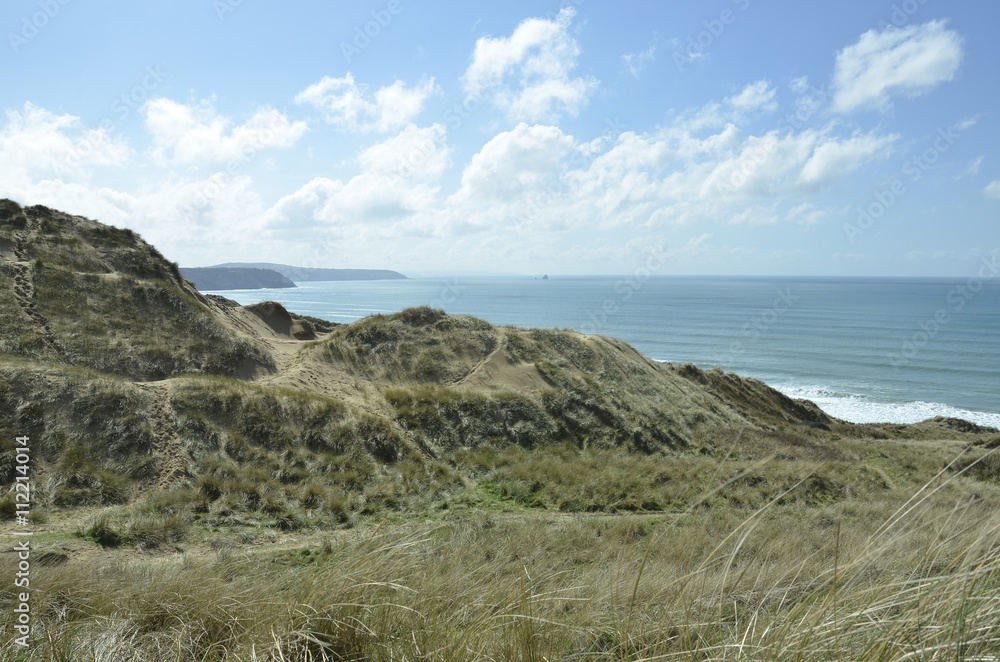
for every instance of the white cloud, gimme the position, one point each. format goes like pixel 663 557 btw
pixel 791 164
pixel 173 214
pixel 301 211
pixel 992 190
pixel 523 160
pixel 909 61
pixel 194 135
pixel 967 123
pixel 528 74
pixel 634 63
pixel 754 217
pixel 833 159
pixel 368 202
pixel 531 192
pixel 518 176
pixel 759 95
pixel 350 106
pixel 393 187
pixel 420 153
pixel 41 143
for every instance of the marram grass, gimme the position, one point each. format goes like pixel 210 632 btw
pixel 781 582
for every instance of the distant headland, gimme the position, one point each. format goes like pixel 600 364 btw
pixel 258 275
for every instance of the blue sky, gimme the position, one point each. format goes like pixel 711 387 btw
pixel 581 137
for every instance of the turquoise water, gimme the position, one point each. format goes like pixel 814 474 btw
pixel 865 350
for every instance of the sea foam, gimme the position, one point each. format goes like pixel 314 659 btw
pixel 865 409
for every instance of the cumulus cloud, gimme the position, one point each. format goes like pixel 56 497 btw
pixel 514 176
pixel 193 135
pixel 42 143
pixel 833 159
pixel 515 160
pixel 395 184
pixel 527 192
pixel 415 152
pixel 793 163
pixel 756 96
pixel 351 106
pixel 172 214
pixel 908 61
pixel 528 74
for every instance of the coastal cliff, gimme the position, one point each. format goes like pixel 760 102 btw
pixel 234 278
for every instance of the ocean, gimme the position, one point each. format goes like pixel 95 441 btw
pixel 896 350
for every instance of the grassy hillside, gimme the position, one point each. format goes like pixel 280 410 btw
pixel 218 482
pixel 91 295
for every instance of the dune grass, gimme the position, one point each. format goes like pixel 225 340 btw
pixel 913 574
pixel 17 333
pixel 418 344
pixel 104 321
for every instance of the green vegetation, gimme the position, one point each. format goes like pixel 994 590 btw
pixel 913 573
pixel 446 419
pixel 111 302
pixel 17 333
pixel 421 344
pixel 92 432
pixel 145 329
pixel 79 244
pixel 424 486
